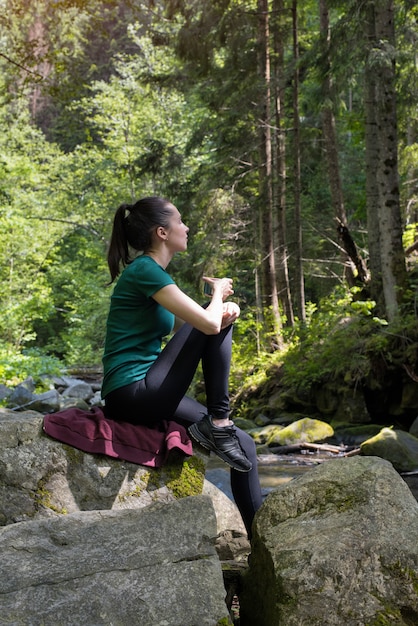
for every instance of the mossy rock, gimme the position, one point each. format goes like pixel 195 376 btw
pixel 264 434
pixel 306 430
pixel 185 477
pixel 396 446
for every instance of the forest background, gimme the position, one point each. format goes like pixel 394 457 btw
pixel 285 131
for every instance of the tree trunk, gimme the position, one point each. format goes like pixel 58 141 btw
pixel 300 283
pixel 269 276
pixel 372 194
pixel 350 257
pixel 383 203
pixel 279 177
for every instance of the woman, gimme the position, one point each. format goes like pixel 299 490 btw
pixel 143 384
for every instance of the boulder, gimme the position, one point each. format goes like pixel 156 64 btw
pixel 155 567
pixel 44 481
pixel 339 545
pixel 355 434
pixel 47 402
pixel 263 434
pixel 41 477
pixel 240 422
pixel 306 430
pixel 21 396
pixel 80 390
pixel 261 420
pixel 227 515
pixel 4 392
pixel 396 446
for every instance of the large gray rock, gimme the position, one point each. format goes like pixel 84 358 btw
pixel 227 514
pixel 47 402
pixel 79 389
pixel 152 567
pixel 41 477
pixel 338 545
pixel 75 551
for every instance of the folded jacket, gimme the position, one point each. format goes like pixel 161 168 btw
pixel 92 432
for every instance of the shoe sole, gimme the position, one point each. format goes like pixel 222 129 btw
pixel 206 443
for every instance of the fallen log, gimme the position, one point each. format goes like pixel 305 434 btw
pixel 353 452
pixel 303 445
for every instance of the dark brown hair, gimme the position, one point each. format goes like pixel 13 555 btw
pixel 133 226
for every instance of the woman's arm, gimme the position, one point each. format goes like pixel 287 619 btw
pixel 209 320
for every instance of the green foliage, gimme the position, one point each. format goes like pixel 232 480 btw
pixel 342 343
pixel 330 345
pixel 16 367
pixel 343 340
pixel 410 234
pixel 247 358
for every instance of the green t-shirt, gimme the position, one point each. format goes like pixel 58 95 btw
pixel 136 324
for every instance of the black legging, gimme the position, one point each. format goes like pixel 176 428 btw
pixel 161 396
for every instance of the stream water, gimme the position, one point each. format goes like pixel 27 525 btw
pixel 274 469
pixel 278 469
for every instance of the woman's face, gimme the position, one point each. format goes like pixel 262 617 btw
pixel 177 232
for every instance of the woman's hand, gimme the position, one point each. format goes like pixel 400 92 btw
pixel 231 313
pixel 220 285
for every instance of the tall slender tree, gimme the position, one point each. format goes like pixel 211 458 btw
pixel 300 287
pixel 387 256
pixel 266 213
pixel 330 136
pixel 279 27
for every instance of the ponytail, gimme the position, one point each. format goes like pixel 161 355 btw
pixel 118 253
pixel 133 226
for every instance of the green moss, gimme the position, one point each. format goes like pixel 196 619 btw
pixel 406 574
pixel 387 617
pixel 182 476
pixel 153 480
pixel 306 429
pixel 392 615
pixel 43 498
pixel 186 477
pixel 134 493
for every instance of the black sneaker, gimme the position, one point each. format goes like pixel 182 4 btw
pixel 222 441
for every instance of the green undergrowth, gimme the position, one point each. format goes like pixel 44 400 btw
pixel 343 340
pixel 346 341
pixel 15 367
